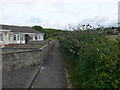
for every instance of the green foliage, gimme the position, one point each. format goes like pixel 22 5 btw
pixel 39 28
pixel 41 45
pixel 112 30
pixel 49 33
pixel 91 59
pixel 50 39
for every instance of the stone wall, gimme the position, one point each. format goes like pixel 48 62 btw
pixel 22 57
pixel 23 47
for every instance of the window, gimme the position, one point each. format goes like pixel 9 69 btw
pixel 10 37
pixel 18 37
pixel 39 37
pixel 14 37
pixel 22 37
pixel 1 37
pixel 31 37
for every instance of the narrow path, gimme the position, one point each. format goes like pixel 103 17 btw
pixel 52 73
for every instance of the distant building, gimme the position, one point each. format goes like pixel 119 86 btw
pixel 119 13
pixel 18 35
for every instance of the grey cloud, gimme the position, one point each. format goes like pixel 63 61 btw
pixel 44 23
pixel 95 20
pixel 112 23
pixel 104 21
pixel 35 20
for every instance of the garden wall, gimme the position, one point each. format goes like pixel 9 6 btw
pixel 17 58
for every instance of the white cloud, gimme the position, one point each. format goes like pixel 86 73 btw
pixel 6 1
pixel 58 13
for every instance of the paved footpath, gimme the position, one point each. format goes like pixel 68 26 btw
pixel 52 73
pixel 19 78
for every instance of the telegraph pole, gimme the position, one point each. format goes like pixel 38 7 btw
pixel 119 14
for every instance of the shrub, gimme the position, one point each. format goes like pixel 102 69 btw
pixel 50 39
pixel 94 61
pixel 41 45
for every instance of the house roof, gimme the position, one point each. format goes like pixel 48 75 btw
pixel 23 29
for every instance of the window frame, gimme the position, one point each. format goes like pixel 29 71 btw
pixel 18 37
pixel 22 37
pixel 1 37
pixel 15 37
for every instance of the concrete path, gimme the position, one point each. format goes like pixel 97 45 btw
pixel 19 78
pixel 52 73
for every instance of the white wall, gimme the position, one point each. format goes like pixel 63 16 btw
pixel 8 37
pixel 20 38
pixel 40 37
pixel 5 37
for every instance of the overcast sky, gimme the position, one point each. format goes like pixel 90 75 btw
pixel 59 13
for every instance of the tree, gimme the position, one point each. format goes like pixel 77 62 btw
pixel 112 28
pixel 39 28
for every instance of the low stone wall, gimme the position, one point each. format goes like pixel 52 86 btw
pixel 12 50
pixel 22 58
pixel 30 44
pixel 38 42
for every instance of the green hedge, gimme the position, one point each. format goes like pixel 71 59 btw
pixel 91 59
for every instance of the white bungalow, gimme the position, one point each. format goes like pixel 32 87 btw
pixel 19 35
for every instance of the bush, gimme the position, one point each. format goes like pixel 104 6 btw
pixel 41 45
pixel 50 39
pixel 94 61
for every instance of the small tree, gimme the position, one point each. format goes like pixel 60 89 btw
pixel 39 28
